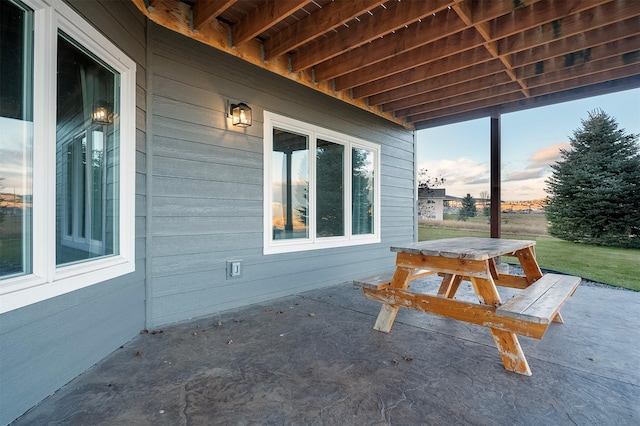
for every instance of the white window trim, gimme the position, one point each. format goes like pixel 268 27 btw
pixel 47 280
pixel 270 246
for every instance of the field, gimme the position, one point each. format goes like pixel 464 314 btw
pixel 610 265
pixel 512 223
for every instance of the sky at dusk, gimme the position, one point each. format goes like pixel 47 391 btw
pixel 531 140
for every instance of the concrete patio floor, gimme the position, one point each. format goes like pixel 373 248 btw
pixel 314 358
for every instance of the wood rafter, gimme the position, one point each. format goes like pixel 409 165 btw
pixel 457 43
pixel 484 29
pixel 305 30
pixel 446 90
pixel 370 27
pixel 578 42
pixel 424 73
pixel 453 78
pixel 419 63
pixel 263 18
pixel 418 34
pixel 618 48
pixel 205 12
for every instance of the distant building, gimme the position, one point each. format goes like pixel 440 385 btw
pixel 431 203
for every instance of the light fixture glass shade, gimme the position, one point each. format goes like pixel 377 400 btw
pixel 102 114
pixel 241 115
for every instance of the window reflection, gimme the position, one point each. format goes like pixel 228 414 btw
pixel 329 189
pixel 290 185
pixel 87 156
pixel 16 143
pixel 362 191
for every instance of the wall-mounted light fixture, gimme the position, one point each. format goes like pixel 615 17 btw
pixel 240 114
pixel 102 113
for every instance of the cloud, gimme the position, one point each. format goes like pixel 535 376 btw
pixel 461 169
pixel 520 180
pixel 15 155
pixel 548 155
pixel 537 167
pixel 478 181
pixel 462 175
pixel 525 174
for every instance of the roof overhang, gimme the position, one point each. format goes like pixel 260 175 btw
pixel 426 63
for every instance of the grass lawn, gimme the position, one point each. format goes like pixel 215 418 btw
pixel 614 266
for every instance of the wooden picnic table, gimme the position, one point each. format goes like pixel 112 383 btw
pixel 529 313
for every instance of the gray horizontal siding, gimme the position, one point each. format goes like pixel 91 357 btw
pixel 207 182
pixel 44 345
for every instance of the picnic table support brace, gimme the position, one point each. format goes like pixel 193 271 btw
pixel 449 286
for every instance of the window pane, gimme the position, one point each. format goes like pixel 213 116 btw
pixel 362 191
pixel 87 151
pixel 16 143
pixel 290 185
pixel 329 189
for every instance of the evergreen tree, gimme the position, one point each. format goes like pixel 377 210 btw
pixel 594 191
pixel 468 208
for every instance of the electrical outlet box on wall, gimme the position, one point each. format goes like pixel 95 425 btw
pixel 234 269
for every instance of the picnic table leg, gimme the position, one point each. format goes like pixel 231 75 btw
pixel 387 315
pixel 507 343
pixel 511 352
pixel 527 258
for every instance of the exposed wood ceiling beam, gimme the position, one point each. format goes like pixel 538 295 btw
pixel 513 23
pixel 440 110
pixel 205 12
pixel 460 99
pixel 464 40
pixel 583 69
pixel 538 14
pixel 175 15
pixel 424 72
pixel 466 14
pixel 430 29
pixel 461 75
pixel 264 17
pixel 570 44
pixel 472 90
pixel 371 26
pixel 324 20
pixel 485 10
pixel 569 25
pixel 483 35
pixel 561 62
pixel 504 107
pixel 447 91
pixel 424 60
pixel 484 104
pixel 578 42
pixel 580 81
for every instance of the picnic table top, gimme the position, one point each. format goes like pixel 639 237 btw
pixel 465 247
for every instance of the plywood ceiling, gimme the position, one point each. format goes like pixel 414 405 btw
pixel 423 63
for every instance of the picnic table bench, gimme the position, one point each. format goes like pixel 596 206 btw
pixel 529 313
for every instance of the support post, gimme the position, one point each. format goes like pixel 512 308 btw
pixel 495 176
